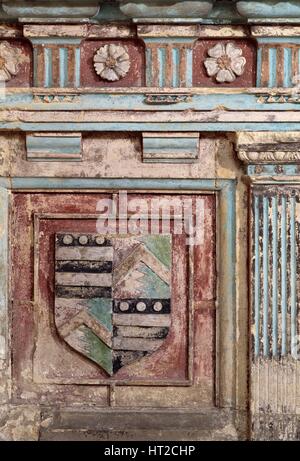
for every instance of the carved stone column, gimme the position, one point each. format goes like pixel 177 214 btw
pixel 272 161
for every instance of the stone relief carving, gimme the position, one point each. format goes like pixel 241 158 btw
pixel 167 98
pixel 112 308
pixel 10 58
pixel 269 156
pixel 112 62
pixel 225 62
pixel 52 98
pixel 268 148
pixel 278 98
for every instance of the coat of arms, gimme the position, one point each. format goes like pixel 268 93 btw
pixel 113 295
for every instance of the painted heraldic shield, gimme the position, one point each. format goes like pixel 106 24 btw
pixel 113 295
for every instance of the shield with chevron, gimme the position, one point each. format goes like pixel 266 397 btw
pixel 113 296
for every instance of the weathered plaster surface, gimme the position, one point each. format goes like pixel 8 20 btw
pixel 19 423
pixel 109 155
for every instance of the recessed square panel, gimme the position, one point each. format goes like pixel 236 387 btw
pixel 95 311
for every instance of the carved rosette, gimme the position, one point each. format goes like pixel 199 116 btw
pixel 112 62
pixel 10 59
pixel 225 62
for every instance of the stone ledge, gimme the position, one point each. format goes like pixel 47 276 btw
pixel 143 11
pixel 28 11
pixel 268 10
pixel 143 424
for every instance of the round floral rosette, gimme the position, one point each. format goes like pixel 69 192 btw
pixel 225 62
pixel 112 62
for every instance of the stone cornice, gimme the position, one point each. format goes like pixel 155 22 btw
pixel 269 10
pixel 268 148
pixel 144 11
pixel 49 10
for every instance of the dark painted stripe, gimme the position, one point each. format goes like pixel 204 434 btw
pixel 123 358
pixel 141 332
pixel 91 241
pixel 149 306
pixel 83 292
pixel 92 267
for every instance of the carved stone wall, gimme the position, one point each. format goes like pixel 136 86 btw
pixel 114 110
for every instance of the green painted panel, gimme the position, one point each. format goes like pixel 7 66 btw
pixel 97 350
pixel 160 246
pixel 101 308
pixel 152 285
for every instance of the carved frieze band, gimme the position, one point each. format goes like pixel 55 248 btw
pixel 269 156
pixel 179 56
pixel 268 148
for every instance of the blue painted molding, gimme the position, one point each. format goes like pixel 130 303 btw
pixel 273 170
pixel 168 148
pixel 262 100
pixel 54 147
pixel 207 111
pixel 44 183
pixel 146 126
